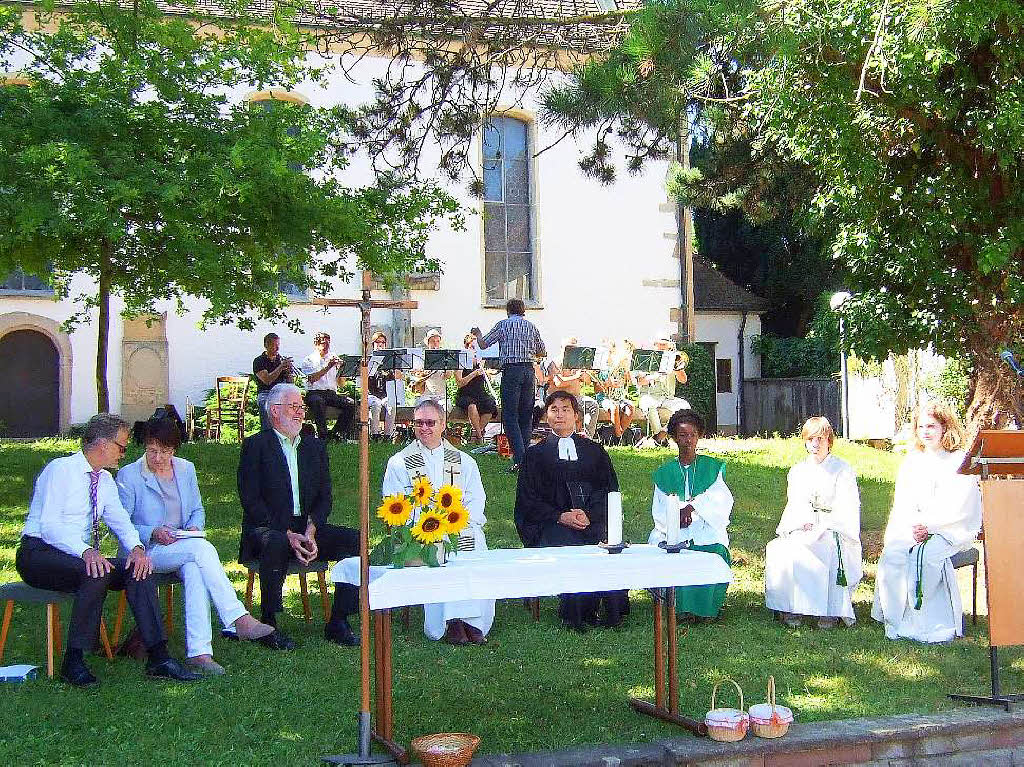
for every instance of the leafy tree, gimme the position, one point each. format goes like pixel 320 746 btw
pixel 778 260
pixel 124 160
pixel 905 116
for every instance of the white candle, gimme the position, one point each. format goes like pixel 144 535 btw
pixel 672 521
pixel 614 518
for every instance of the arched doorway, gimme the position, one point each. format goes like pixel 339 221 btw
pixel 30 387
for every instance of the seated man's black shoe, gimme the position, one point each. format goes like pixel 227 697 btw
pixel 339 632
pixel 275 640
pixel 76 673
pixel 169 668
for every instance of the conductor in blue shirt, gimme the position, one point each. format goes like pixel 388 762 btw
pixel 518 342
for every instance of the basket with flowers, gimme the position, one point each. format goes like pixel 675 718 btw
pixel 420 525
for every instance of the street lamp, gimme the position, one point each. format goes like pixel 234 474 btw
pixel 836 303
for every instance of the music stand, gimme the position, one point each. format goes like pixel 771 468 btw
pixel 349 367
pixel 444 359
pixel 646 361
pixel 1000 453
pixel 579 358
pixel 390 360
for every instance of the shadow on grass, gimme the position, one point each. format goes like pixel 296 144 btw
pixel 533 686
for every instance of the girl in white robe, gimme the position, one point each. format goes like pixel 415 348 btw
pixel 936 513
pixel 814 566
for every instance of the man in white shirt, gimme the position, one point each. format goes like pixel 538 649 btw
pixel 431 456
pixel 321 371
pixel 60 550
pixel 658 390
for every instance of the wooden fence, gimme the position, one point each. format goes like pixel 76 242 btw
pixel 782 405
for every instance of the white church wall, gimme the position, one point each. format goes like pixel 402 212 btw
pixel 722 328
pixel 594 247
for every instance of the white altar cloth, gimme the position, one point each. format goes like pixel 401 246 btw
pixel 540 572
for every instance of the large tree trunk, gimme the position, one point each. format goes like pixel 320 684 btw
pixel 995 394
pixel 103 338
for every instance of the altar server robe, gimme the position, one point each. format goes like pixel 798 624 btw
pixel 916 593
pixel 701 484
pixel 802 567
pixel 397 479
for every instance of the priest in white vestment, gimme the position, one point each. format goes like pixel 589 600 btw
pixel 814 566
pixel 431 456
pixel 936 513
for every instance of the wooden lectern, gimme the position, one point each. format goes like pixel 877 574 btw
pixel 998 456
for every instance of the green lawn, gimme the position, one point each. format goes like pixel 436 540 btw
pixel 533 686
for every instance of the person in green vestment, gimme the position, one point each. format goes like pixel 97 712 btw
pixel 704 505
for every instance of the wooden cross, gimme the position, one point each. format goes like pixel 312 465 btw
pixel 364 304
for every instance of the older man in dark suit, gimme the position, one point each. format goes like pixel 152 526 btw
pixel 284 484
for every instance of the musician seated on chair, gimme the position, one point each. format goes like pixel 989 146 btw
pixel 284 485
pixel 572 381
pixel 160 492
pixel 270 369
pixel 382 393
pixel 474 394
pixel 321 371
pixel 658 391
pixel 60 550
pixel 433 383
pixel 431 456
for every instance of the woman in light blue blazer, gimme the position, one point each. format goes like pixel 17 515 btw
pixel 161 494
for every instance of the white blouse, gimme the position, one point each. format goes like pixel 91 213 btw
pixel 823 495
pixel 930 492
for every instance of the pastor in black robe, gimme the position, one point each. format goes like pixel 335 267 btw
pixel 549 486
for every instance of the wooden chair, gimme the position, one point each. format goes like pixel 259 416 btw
pixel 167 580
pixel 17 591
pixel 232 396
pixel 320 568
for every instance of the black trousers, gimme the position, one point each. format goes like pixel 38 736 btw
pixel 46 567
pixel 576 610
pixel 274 553
pixel 517 395
pixel 318 400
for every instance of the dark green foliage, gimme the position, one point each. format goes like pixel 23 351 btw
pixel 794 357
pixel 699 389
pixel 777 260
pixel 124 162
pixel 894 127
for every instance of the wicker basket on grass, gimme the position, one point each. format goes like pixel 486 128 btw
pixel 727 724
pixel 445 749
pixel 768 720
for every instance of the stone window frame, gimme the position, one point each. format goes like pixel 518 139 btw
pixel 535 301
pixel 46 292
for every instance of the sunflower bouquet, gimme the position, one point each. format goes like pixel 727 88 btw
pixel 420 537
